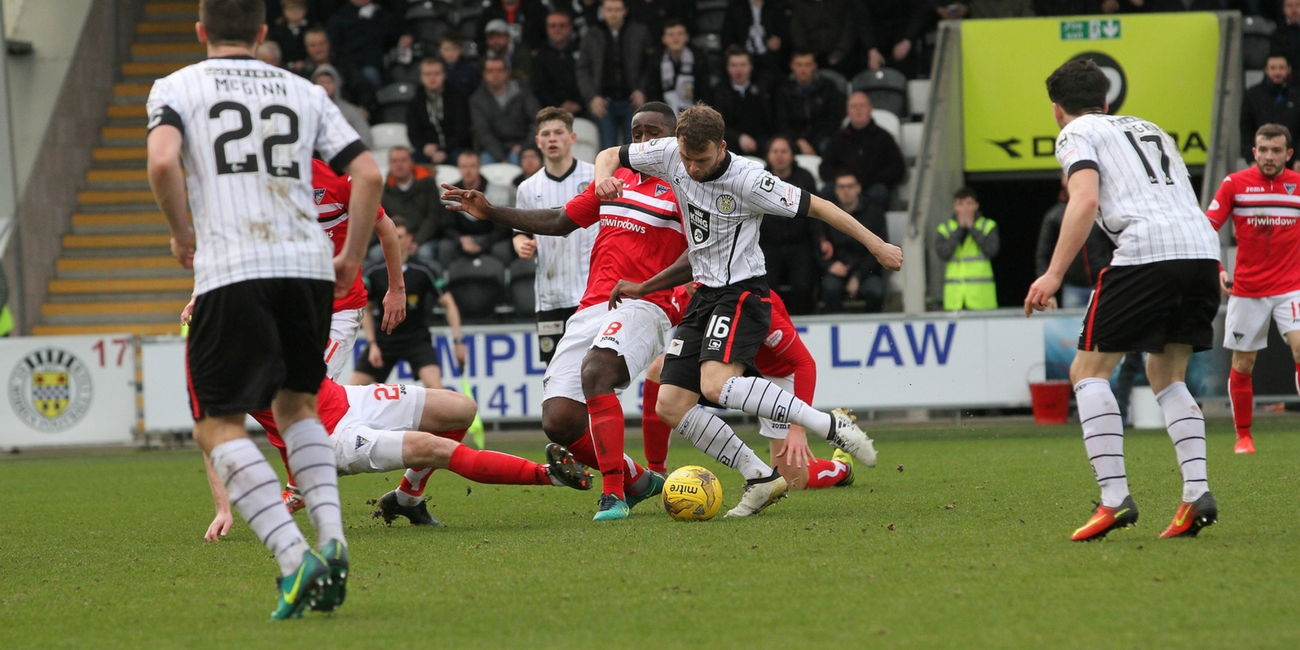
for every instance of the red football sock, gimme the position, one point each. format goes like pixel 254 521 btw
pixel 654 432
pixel 606 414
pixel 584 450
pixel 1243 401
pixel 633 472
pixel 284 456
pixel 414 480
pixel 494 467
pixel 825 473
pixel 458 435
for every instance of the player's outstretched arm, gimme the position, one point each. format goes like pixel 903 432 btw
pixel 889 255
pixel 221 523
pixel 367 185
pixel 395 299
pixel 679 272
pixel 448 303
pixel 1080 211
pixel 167 180
pixel 607 162
pixel 539 222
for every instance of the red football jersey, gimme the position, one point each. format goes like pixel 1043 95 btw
pixel 640 235
pixel 783 353
pixel 1266 215
pixel 332 194
pixel 331 405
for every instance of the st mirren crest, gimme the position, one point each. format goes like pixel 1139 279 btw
pixel 50 390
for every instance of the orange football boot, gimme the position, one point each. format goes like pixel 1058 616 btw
pixel 1106 519
pixel 1192 517
pixel 1245 445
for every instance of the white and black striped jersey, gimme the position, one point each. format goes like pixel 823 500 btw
pixel 723 212
pixel 563 263
pixel 1147 204
pixel 249 130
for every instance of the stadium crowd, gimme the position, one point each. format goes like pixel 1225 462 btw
pixel 792 78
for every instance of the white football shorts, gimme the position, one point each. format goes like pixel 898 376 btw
pixel 777 430
pixel 369 437
pixel 637 330
pixel 343 337
pixel 1246 327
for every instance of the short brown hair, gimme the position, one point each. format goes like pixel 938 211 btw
pixel 699 125
pixel 1270 131
pixel 232 21
pixel 736 50
pixel 551 113
pixel 1078 86
pixel 399 222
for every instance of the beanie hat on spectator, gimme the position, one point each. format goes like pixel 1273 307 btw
pixel 327 69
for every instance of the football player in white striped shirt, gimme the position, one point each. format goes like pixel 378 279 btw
pixel 264 275
pixel 562 262
pixel 723 200
pixel 1159 295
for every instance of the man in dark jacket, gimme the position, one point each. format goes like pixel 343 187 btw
pixel 412 193
pixel 555 76
pixel 361 32
pixel 502 112
pixel 893 33
pixel 808 106
pixel 762 28
pixel 655 14
pixel 1273 101
pixel 526 20
pixel 790 245
pixel 851 271
pixel 866 150
pixel 745 106
pixel 611 67
pixel 437 120
pixel 465 236
pixel 1287 37
pixel 826 29
pixel 677 74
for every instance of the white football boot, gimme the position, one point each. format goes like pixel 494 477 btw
pixel 759 494
pixel 851 438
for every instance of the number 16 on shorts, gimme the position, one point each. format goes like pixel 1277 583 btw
pixel 717 332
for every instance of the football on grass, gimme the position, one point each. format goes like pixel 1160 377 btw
pixel 692 493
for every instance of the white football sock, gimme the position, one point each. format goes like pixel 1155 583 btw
pixel 760 397
pixel 1103 438
pixel 1186 425
pixel 311 458
pixel 714 437
pixel 254 491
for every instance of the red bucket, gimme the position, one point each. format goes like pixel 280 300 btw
pixel 1051 401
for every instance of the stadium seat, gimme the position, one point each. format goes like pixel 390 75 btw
pixel 707 42
pixel 918 96
pixel 888 120
pixel 709 21
pixel 393 99
pixel 381 160
pixel 522 296
pixel 910 142
pixel 389 135
pixel 426 21
pixel 887 88
pixel 1256 36
pixel 758 160
pixel 585 151
pixel 478 285
pixel 447 174
pixel 811 163
pixel 501 182
pixel 587 131
pixel 835 77
pixel 1253 78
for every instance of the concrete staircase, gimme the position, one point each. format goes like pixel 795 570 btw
pixel 116 272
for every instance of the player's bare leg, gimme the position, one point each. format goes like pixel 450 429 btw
pixel 725 384
pixel 1241 392
pixel 359 378
pixel 1186 424
pixel 431 376
pixel 449 413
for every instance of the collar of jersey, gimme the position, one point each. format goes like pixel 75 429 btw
pixel 722 169
pixel 235 56
pixel 567 174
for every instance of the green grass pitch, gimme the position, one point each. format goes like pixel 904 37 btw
pixel 958 539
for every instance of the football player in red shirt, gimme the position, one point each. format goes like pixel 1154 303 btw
pixel 1264 206
pixel 384 427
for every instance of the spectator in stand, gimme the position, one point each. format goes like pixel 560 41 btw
pixel 402 63
pixel 952 10
pixel 437 120
pixel 1275 100
pixel 790 245
pixel 555 66
pixel 809 107
pixel 289 32
pixel 585 13
pixel 655 14
pixel 762 28
pixel 465 236
pixel 518 60
pixel 678 74
pixel 852 272
pixel 351 85
pixel 745 106
pixel 1287 37
pixel 525 22
pixel 967 242
pixel 1067 7
pixel 327 77
pixel 413 193
pixel 1007 8
pixel 501 112
pixel 896 27
pixel 611 64
pixel 530 161
pixel 361 32
pixel 268 52
pixel 1081 277
pixel 462 75
pixel 867 151
pixel 825 29
pixel 320 11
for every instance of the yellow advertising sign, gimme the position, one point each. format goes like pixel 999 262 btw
pixel 1161 68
